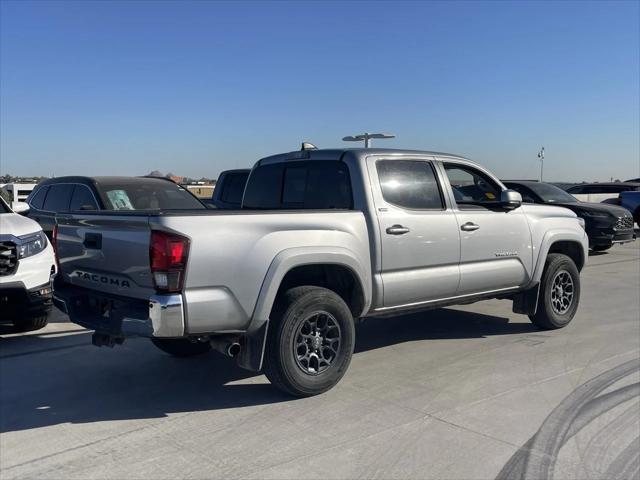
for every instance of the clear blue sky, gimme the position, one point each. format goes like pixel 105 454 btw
pixel 122 87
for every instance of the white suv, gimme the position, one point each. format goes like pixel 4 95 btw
pixel 27 265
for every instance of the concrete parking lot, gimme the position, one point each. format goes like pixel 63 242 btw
pixel 451 393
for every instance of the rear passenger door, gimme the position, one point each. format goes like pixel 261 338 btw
pixel 420 242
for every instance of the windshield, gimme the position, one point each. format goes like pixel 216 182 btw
pixel 551 194
pixel 148 195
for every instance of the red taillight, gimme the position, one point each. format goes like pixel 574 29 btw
pixel 168 259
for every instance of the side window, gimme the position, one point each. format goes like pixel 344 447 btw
pixel 575 190
pixel 58 198
pixel 82 199
pixel 471 186
pixel 409 184
pixel 37 201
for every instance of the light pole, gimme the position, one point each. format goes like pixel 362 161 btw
pixel 541 157
pixel 367 137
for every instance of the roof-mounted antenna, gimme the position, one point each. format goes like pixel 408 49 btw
pixel 367 138
pixel 308 146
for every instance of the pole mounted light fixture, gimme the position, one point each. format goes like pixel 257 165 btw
pixel 366 137
pixel 541 158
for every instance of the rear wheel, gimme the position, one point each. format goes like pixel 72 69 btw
pixel 310 341
pixel 559 293
pixel 181 347
pixel 25 323
pixel 601 248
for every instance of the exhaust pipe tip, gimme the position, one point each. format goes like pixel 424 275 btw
pixel 233 349
pixel 225 345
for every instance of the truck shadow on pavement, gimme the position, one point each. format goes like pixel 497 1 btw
pixel 53 379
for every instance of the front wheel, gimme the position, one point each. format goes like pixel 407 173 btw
pixel 181 347
pixel 559 293
pixel 310 341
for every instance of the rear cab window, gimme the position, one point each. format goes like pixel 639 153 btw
pixel 315 185
pixel 233 187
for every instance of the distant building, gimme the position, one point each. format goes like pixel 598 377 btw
pixel 201 191
pixel 18 192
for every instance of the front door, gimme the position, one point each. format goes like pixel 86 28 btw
pixel 419 237
pixel 495 243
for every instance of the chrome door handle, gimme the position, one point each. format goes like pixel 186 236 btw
pixel 469 227
pixel 397 230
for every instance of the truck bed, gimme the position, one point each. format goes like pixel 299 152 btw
pixel 230 255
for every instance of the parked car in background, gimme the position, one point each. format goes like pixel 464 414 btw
pixel 349 234
pixel 67 194
pixel 229 189
pixel 631 201
pixel 598 192
pixel 27 265
pixel 605 224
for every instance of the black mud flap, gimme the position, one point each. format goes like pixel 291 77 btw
pixel 253 342
pixel 526 302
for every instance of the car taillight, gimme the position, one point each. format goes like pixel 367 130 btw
pixel 168 255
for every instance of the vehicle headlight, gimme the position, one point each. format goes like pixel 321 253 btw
pixel 32 244
pixel 581 222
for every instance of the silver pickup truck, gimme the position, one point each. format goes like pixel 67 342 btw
pixel 324 237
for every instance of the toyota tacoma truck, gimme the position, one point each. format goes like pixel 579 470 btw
pixel 324 237
pixel 27 266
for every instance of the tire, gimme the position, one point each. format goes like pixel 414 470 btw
pixel 554 310
pixel 601 248
pixel 27 323
pixel 310 341
pixel 181 347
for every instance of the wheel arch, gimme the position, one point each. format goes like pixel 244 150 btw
pixel 567 243
pixel 337 269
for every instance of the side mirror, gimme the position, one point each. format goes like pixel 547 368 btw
pixel 510 199
pixel 21 208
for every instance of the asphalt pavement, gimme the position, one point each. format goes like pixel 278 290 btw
pixel 465 392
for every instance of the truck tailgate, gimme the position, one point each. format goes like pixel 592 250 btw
pixel 107 253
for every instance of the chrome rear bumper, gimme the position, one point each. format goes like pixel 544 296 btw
pixel 160 316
